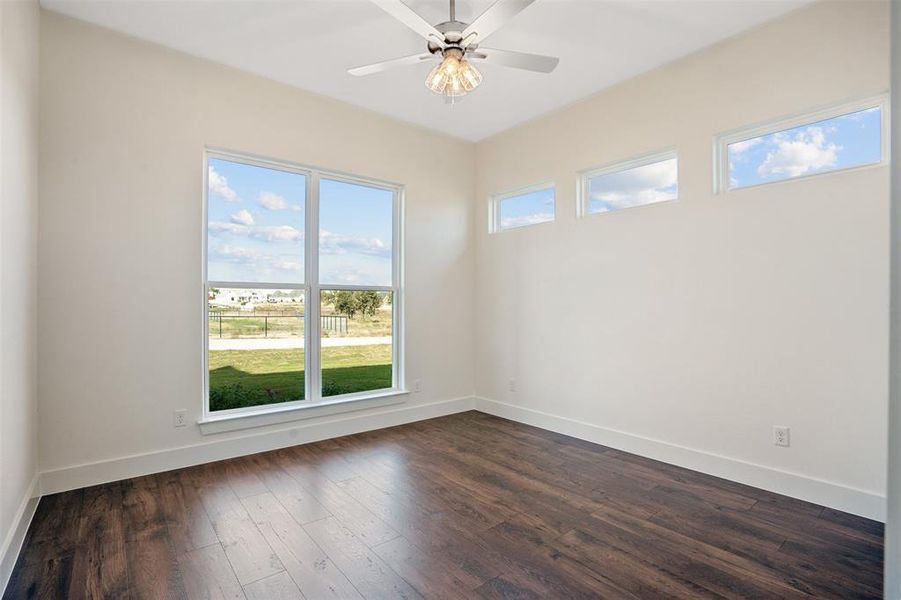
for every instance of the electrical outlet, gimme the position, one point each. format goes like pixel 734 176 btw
pixel 417 385
pixel 781 435
pixel 181 418
pixel 512 385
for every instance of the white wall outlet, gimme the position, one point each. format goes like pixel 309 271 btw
pixel 511 385
pixel 180 418
pixel 781 435
pixel 417 386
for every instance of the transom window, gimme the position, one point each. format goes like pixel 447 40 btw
pixel 639 181
pixel 301 285
pixel 845 137
pixel 529 206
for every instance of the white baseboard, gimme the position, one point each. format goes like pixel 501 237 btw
pixel 79 476
pixel 827 493
pixel 9 552
pixel 860 502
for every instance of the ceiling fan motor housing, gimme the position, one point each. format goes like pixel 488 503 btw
pixel 453 36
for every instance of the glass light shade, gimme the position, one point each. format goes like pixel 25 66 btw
pixel 454 76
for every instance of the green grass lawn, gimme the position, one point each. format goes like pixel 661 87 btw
pixel 241 378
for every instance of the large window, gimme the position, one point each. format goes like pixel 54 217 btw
pixel 302 293
pixel 640 181
pixel 845 137
pixel 529 206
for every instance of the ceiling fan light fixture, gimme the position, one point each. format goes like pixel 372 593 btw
pixel 454 76
pixel 470 76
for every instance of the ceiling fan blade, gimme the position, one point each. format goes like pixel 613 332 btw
pixel 517 60
pixel 405 15
pixel 378 67
pixel 496 16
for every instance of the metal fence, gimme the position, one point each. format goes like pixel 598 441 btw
pixel 274 322
pixel 336 323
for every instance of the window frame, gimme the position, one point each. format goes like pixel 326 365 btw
pixel 495 201
pixel 312 288
pixel 722 141
pixel 582 181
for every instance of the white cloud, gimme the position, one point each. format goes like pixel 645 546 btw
pixel 342 273
pixel 738 149
pixel 253 261
pixel 333 243
pixel 335 270
pixel 523 220
pixel 271 201
pixel 222 227
pixel 616 200
pixel 808 150
pixel 242 217
pixel 647 184
pixel 277 233
pixel 288 265
pixel 266 233
pixel 219 186
pixel 330 243
pixel 234 254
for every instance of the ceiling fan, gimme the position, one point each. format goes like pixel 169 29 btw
pixel 456 44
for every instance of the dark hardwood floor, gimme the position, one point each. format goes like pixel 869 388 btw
pixel 465 506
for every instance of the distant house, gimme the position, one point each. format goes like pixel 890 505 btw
pixel 285 297
pixel 233 297
pixel 247 299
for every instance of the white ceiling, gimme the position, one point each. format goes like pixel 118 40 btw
pixel 311 43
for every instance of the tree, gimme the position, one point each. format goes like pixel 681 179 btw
pixel 346 303
pixel 369 302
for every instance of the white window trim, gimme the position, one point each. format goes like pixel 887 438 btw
pixel 313 404
pixel 721 142
pixel 583 201
pixel 494 206
pixel 274 414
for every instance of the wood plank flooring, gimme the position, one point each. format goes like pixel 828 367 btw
pixel 466 506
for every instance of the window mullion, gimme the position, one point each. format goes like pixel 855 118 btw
pixel 312 358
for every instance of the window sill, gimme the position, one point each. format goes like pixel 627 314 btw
pixel 275 415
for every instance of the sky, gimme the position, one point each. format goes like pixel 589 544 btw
pixel 655 182
pixel 256 228
pixel 847 141
pixel 527 209
pixel 355 225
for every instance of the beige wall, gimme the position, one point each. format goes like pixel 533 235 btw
pixel 19 27
pixel 692 326
pixel 703 323
pixel 123 128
